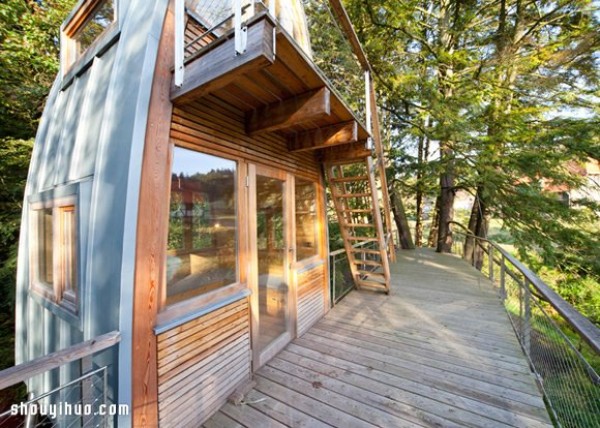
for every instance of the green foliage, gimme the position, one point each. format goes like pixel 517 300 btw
pixel 503 98
pixel 29 44
pixel 13 175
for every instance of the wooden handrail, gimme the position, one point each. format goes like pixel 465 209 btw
pixel 588 331
pixel 20 373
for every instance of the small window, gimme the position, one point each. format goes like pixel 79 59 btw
pixel 202 239
pixel 306 219
pixel 53 247
pixel 86 25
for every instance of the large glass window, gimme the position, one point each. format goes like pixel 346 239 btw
pixel 306 219
pixel 202 241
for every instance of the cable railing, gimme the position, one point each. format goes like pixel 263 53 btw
pixel 81 399
pixel 562 346
pixel 340 275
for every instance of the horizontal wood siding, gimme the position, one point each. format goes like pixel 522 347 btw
pixel 311 297
pixel 214 126
pixel 201 362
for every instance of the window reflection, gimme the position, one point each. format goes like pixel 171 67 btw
pixel 306 219
pixel 202 240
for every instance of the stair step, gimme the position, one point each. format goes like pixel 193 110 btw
pixel 350 179
pixel 354 195
pixel 374 284
pixel 373 274
pixel 368 262
pixel 366 251
pixel 357 211
pixel 362 238
pixel 359 225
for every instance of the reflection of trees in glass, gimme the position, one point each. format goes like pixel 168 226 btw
pixel 200 222
pixel 306 218
pixel 99 20
pixel 176 214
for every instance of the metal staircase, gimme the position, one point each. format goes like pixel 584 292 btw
pixel 356 200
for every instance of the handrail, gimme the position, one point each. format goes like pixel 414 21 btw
pixel 20 373
pixel 588 331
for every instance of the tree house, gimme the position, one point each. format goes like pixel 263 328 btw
pixel 177 194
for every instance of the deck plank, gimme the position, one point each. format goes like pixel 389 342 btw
pixel 439 351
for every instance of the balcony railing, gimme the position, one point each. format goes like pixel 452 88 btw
pixel 330 49
pixel 562 346
pixel 82 401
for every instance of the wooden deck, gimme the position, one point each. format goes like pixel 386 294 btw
pixel 439 351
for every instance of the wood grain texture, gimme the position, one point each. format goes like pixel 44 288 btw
pixel 219 67
pixel 299 109
pixel 152 236
pixel 311 299
pixel 23 372
pixel 438 351
pixel 344 133
pixel 201 363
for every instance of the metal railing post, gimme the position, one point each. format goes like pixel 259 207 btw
pixel 333 281
pixel 502 277
pixel 491 262
pixel 527 320
pixel 179 42
pixel 105 392
pixel 241 33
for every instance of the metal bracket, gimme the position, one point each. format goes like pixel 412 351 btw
pixel 179 42
pixel 241 32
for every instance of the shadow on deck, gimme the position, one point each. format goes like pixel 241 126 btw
pixel 439 351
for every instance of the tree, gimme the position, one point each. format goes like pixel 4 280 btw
pixel 29 44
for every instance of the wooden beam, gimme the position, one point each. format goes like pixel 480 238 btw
pixel 220 66
pixel 313 105
pixel 342 133
pixel 23 372
pixel 346 154
pixel 151 240
pixel 344 21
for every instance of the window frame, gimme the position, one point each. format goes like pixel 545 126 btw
pixel 168 313
pixel 57 295
pixel 70 62
pixel 317 256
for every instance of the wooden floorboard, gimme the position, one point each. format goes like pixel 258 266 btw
pixel 439 351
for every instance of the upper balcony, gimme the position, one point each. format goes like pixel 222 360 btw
pixel 246 57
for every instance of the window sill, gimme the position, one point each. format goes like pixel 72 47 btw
pixel 181 313
pixel 309 263
pixel 63 312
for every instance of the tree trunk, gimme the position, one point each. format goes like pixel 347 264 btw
pixel 419 192
pixel 433 232
pixel 444 242
pixel 406 242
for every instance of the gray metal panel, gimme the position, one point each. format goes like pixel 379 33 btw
pixel 88 129
pixel 49 156
pixel 71 121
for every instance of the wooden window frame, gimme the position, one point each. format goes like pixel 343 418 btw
pixel 310 260
pixel 70 61
pixel 170 313
pixel 64 254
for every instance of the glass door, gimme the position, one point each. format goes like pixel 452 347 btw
pixel 272 307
